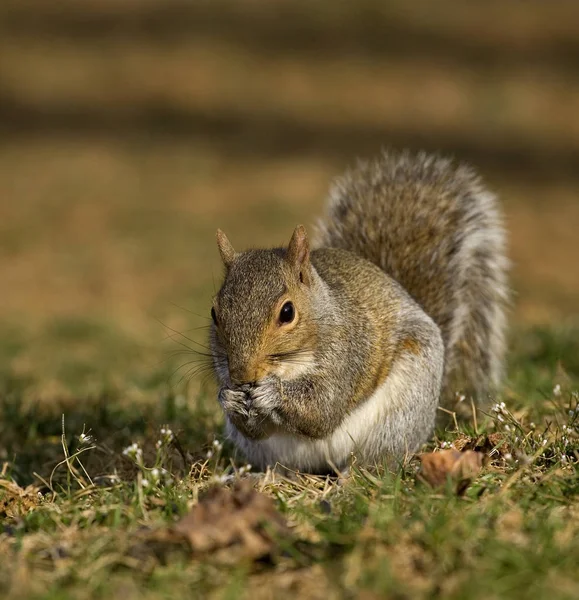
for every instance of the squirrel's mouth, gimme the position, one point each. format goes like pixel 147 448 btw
pixel 293 365
pixel 285 365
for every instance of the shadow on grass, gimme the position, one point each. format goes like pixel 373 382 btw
pixel 32 433
pixel 263 135
pixel 543 356
pixel 364 30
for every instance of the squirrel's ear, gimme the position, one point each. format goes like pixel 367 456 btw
pixel 298 253
pixel 225 249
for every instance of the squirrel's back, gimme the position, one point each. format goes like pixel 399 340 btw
pixel 432 226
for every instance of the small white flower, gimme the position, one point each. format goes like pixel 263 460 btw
pixel 85 438
pixel 557 390
pixel 500 418
pixel 209 454
pixel 167 436
pixel 563 458
pixel 500 408
pixel 133 451
pixel 507 428
pixel 508 456
pixel 155 474
pixel 532 425
pixel 145 482
pixel 544 443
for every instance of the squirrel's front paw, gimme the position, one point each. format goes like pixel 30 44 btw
pixel 265 397
pixel 234 401
pixel 250 409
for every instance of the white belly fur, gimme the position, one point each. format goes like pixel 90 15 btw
pixel 371 431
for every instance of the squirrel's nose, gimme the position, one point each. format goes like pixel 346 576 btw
pixel 246 373
pixel 240 375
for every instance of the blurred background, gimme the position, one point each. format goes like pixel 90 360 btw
pixel 130 130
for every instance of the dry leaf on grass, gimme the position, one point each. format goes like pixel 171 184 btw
pixel 16 501
pixel 462 467
pixel 493 443
pixel 241 520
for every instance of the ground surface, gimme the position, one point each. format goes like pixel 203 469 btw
pixel 74 528
pixel 127 136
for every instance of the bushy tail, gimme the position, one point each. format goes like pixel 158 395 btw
pixel 434 228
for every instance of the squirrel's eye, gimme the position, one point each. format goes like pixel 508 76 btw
pixel 287 313
pixel 213 316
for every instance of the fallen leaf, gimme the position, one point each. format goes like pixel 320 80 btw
pixel 239 519
pixel 489 444
pixel 462 467
pixel 16 501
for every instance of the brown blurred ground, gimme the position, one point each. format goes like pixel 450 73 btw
pixel 129 131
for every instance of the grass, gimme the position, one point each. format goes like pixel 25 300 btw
pixel 129 134
pixel 75 507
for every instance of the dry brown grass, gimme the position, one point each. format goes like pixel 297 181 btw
pixel 100 217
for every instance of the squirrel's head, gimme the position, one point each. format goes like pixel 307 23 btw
pixel 262 315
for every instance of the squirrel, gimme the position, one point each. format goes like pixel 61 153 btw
pixel 345 348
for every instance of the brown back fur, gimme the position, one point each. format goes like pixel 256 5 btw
pixel 433 227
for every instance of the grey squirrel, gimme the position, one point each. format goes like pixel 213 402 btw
pixel 347 347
